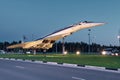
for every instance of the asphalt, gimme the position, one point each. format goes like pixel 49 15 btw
pixel 21 70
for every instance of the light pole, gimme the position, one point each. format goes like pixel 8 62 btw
pixel 118 39
pixel 89 40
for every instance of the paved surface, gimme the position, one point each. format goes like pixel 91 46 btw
pixel 18 70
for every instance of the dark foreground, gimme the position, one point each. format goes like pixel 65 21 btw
pixel 16 70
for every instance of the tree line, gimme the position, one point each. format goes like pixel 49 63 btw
pixel 80 46
pixel 69 46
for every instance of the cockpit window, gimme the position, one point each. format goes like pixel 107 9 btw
pixel 87 22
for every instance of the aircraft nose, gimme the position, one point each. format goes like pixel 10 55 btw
pixel 94 24
pixel 98 24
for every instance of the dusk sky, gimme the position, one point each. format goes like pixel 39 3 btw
pixel 38 18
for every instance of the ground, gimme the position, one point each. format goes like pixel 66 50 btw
pixel 93 60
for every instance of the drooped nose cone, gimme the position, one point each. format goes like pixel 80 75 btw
pixel 97 24
pixel 92 24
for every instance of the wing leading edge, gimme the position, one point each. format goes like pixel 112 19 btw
pixel 47 41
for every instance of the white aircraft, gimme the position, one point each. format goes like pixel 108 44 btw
pixel 48 41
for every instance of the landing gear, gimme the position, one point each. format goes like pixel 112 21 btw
pixel 34 51
pixel 44 52
pixel 63 45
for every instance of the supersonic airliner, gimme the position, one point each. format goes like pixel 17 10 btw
pixel 48 41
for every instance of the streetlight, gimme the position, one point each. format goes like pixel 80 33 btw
pixel 65 52
pixel 77 52
pixel 89 40
pixel 118 39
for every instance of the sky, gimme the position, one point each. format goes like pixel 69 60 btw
pixel 38 18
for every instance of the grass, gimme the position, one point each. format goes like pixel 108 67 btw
pixel 93 60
